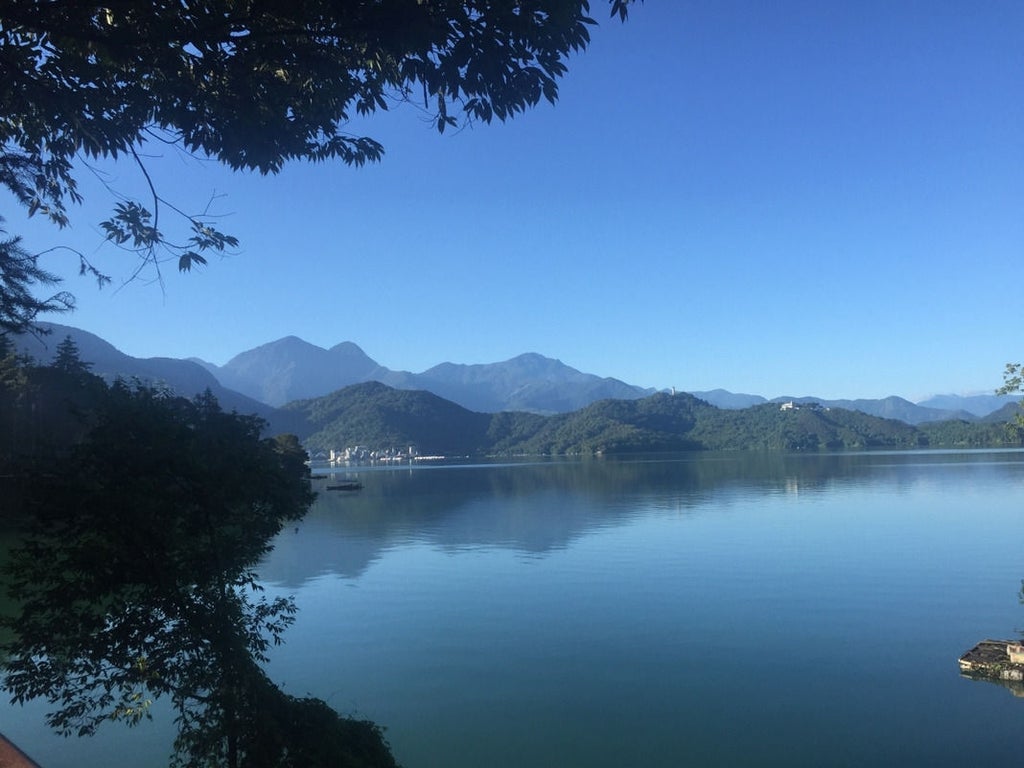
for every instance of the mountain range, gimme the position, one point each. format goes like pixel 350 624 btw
pixel 371 416
pixel 261 380
pixel 292 369
pixel 184 377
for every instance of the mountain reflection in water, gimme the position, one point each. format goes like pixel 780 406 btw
pixel 544 506
pixel 698 609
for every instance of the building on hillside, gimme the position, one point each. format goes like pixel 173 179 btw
pixel 792 405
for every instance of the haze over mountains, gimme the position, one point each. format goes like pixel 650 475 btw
pixel 261 380
pixel 183 376
pixel 291 369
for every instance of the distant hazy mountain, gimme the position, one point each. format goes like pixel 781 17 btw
pixel 723 398
pixel 979 405
pixel 184 377
pixel 933 409
pixel 291 369
pixel 1008 412
pixel 887 408
pixel 529 382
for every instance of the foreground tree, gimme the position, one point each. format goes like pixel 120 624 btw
pixel 136 579
pixel 1013 383
pixel 13 383
pixel 252 85
pixel 21 279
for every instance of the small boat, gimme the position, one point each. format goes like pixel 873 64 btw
pixel 354 485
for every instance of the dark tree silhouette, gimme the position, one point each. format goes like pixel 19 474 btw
pixel 135 580
pixel 21 278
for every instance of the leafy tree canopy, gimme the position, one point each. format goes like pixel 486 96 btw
pixel 252 84
pixel 1013 379
pixel 1013 383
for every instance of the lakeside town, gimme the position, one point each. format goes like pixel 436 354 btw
pixel 358 454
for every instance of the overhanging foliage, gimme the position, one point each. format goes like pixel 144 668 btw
pixel 253 85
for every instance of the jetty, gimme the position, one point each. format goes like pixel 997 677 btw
pixel 995 660
pixel 354 485
pixel 12 757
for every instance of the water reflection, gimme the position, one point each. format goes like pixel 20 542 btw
pixel 1015 687
pixel 702 610
pixel 537 508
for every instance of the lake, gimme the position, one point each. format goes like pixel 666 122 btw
pixel 701 609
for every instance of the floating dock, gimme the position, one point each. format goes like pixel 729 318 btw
pixel 995 660
pixel 12 757
pixel 351 486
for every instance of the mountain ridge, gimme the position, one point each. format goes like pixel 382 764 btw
pixel 185 377
pixel 371 418
pixel 538 384
pixel 262 379
pixel 966 408
pixel 291 369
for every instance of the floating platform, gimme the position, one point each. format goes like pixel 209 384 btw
pixel 12 757
pixel 995 660
pixel 353 486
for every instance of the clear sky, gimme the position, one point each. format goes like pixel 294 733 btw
pixel 791 198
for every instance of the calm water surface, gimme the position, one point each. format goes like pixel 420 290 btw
pixel 689 610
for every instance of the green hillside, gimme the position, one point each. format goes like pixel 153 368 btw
pixel 373 414
pixel 806 428
pixel 965 434
pixel 660 422
pixel 378 417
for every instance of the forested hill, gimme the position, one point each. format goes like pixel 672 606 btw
pixel 375 416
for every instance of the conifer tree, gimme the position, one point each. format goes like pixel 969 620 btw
pixel 67 359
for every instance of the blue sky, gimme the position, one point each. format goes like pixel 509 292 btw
pixel 793 198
